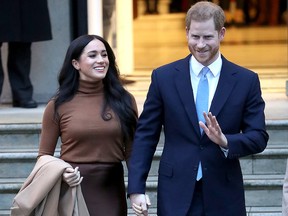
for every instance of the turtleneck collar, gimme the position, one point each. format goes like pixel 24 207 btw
pixel 90 87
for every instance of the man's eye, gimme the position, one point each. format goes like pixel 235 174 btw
pixel 208 37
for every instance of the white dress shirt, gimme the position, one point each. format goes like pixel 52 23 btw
pixel 213 78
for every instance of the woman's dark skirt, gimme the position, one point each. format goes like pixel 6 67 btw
pixel 103 188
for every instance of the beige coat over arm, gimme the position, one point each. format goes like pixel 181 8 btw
pixel 43 192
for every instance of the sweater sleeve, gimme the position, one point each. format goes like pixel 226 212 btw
pixel 50 131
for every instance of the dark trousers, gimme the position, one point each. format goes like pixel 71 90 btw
pixel 197 205
pixel 18 65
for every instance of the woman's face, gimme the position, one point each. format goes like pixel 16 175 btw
pixel 93 63
pixel 204 41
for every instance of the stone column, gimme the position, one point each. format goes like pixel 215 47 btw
pixel 124 36
pixel 95 17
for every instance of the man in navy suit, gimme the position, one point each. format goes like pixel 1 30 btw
pixel 234 127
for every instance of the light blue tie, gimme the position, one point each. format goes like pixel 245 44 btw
pixel 202 105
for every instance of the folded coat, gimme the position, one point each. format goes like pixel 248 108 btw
pixel 43 192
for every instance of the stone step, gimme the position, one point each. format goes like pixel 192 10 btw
pixel 263 173
pixel 19 136
pixel 18 164
pixel 263 195
pixel 251 211
pixel 263 187
pixel 26 136
pixel 261 191
pixel 9 187
pixel 255 211
pixel 277 130
pixel 270 161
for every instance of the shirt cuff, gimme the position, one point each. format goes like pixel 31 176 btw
pixel 225 151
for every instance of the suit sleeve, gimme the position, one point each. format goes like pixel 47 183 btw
pixel 128 145
pixel 253 137
pixel 146 139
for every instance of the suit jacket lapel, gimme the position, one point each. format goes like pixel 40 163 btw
pixel 225 85
pixel 184 88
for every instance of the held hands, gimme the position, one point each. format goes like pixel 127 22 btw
pixel 140 204
pixel 72 176
pixel 213 130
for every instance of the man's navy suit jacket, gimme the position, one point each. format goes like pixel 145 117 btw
pixel 239 109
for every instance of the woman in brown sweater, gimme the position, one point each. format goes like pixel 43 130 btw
pixel 95 118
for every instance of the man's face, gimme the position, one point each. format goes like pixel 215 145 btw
pixel 204 40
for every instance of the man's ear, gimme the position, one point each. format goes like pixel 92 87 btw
pixel 75 64
pixel 222 33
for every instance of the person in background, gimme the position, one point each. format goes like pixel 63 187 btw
pixel 151 7
pixel 285 193
pixel 268 13
pixel 234 11
pixel 95 118
pixel 176 6
pixel 108 9
pixel 21 23
pixel 199 170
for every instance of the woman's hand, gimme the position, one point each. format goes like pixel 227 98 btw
pixel 140 204
pixel 72 176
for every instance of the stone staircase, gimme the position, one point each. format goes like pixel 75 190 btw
pixel 263 173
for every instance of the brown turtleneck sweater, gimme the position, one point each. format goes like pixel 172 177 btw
pixel 85 136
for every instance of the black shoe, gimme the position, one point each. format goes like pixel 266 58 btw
pixel 25 104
